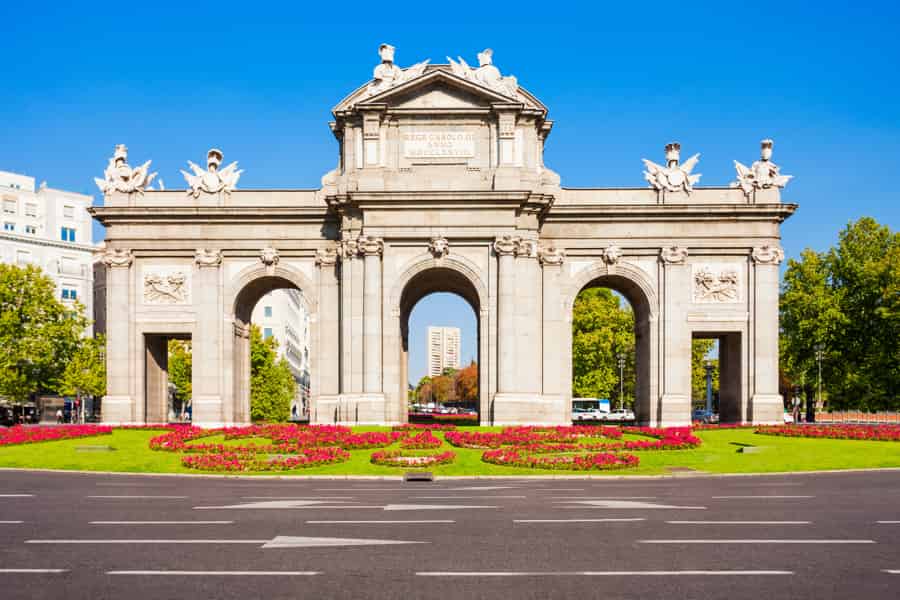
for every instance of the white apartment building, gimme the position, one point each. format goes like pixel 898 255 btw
pixel 51 229
pixel 283 314
pixel 443 349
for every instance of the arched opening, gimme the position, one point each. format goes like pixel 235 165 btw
pixel 271 351
pixel 611 351
pixel 450 351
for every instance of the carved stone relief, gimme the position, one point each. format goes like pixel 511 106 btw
pixel 527 248
pixel 212 180
pixel 166 285
pixel 208 258
pixel 370 244
pixel 673 255
pixel 673 177
pixel 714 283
pixel 506 245
pixel 612 254
pixel 118 257
pixel 767 255
pixel 439 247
pixel 762 174
pixel 269 256
pixel 326 257
pixel 120 177
pixel 551 255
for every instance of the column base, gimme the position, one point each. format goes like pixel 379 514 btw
pixel 117 410
pixel 767 409
pixel 674 411
pixel 528 409
pixel 350 409
pixel 207 412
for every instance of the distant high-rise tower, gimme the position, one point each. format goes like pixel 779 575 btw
pixel 443 349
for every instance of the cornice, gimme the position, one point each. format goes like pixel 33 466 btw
pixel 217 214
pixel 36 241
pixel 668 212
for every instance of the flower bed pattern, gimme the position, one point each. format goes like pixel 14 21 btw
pixel 32 434
pixel 399 458
pixel 876 433
pixel 252 461
pixel 602 461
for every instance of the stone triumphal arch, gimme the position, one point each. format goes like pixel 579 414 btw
pixel 441 186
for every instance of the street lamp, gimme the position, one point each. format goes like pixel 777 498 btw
pixel 820 354
pixel 709 369
pixel 621 358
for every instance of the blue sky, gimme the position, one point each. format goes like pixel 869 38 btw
pixel 258 80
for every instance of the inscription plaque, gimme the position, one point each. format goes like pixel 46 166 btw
pixel 438 144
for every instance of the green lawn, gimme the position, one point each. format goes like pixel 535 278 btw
pixel 718 454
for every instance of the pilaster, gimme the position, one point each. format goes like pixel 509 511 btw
pixel 766 405
pixel 118 404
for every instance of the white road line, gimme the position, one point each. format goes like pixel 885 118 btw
pixel 305 507
pixel 207 541
pixel 612 520
pixel 626 504
pixel 138 497
pixel 162 522
pixel 888 522
pixel 217 573
pixel 759 497
pixel 423 522
pixel 605 497
pixel 11 522
pixel 34 570
pixel 432 507
pixel 461 497
pixel 332 498
pixel 891 571
pixel 739 522
pixel 593 573
pixel 756 541
pixel 16 495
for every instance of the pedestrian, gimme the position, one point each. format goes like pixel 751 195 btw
pixel 59 416
pixel 796 408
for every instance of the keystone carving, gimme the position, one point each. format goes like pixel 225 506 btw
pixel 762 174
pixel 506 245
pixel 673 255
pixel 326 257
pixel 673 177
pixel 120 177
pixel 208 258
pixel 117 257
pixel 269 256
pixel 551 255
pixel 439 247
pixel 612 254
pixel 212 180
pixel 371 245
pixel 767 255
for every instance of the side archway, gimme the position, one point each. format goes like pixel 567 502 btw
pixel 640 291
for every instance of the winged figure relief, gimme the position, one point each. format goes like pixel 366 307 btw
pixel 120 177
pixel 212 180
pixel 672 178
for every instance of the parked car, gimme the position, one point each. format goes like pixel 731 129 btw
pixel 620 414
pixel 702 415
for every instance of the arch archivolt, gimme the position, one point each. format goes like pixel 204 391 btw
pixel 424 262
pixel 285 271
pixel 635 278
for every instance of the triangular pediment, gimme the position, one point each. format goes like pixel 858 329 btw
pixel 436 89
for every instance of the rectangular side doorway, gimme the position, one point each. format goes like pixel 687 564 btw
pixel 165 401
pixel 724 360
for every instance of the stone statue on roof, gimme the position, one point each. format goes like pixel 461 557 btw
pixel 486 74
pixel 387 74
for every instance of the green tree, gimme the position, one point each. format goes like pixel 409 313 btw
pixel 602 328
pixel 85 373
pixel 700 349
pixel 39 335
pixel 466 383
pixel 181 363
pixel 272 384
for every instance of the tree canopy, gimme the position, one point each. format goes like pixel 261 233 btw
pixel 85 373
pixel 272 385
pixel 848 300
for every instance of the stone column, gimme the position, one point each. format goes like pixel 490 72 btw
pixel 372 248
pixel 766 404
pixel 675 401
pixel 554 334
pixel 505 248
pixel 118 404
pixel 528 302
pixel 329 347
pixel 206 343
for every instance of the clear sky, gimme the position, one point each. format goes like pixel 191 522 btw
pixel 258 80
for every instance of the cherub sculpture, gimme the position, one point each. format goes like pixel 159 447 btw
pixel 213 180
pixel 762 174
pixel 673 177
pixel 120 177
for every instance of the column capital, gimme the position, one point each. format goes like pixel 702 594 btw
pixel 118 257
pixel 326 257
pixel 673 255
pixel 506 245
pixel 767 255
pixel 527 248
pixel 370 245
pixel 551 256
pixel 208 258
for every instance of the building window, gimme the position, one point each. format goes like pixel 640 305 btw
pixel 9 206
pixel 69 212
pixel 267 333
pixel 23 257
pixel 69 294
pixel 67 234
pixel 7 226
pixel 31 210
pixel 31 229
pixel 268 311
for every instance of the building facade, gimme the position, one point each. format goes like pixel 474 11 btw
pixel 443 349
pixel 440 186
pixel 51 229
pixel 282 314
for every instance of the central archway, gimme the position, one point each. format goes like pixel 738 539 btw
pixel 431 275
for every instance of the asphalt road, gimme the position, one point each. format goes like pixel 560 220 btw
pixel 135 537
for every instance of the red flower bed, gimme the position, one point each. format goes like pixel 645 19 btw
pixel 398 458
pixel 598 461
pixel 529 436
pixel 248 462
pixel 878 433
pixel 421 441
pixel 29 435
pixel 461 419
pixel 421 426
